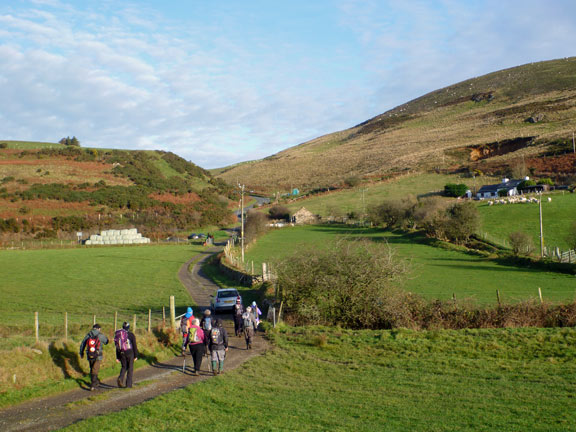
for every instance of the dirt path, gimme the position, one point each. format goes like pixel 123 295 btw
pixel 61 410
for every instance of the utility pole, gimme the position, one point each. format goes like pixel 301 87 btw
pixel 242 218
pixel 541 231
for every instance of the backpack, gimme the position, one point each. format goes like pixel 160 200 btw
pixel 183 324
pixel 93 347
pixel 194 335
pixel 216 336
pixel 121 340
pixel 248 321
pixel 207 324
pixel 238 309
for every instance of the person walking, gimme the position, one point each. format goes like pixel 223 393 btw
pixel 218 344
pixel 126 354
pixel 197 345
pixel 256 312
pixel 249 324
pixel 237 313
pixel 92 343
pixel 206 321
pixel 185 324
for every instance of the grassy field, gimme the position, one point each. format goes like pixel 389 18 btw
pixel 436 273
pixel 29 145
pixel 357 200
pixel 557 215
pixel 316 379
pixel 89 281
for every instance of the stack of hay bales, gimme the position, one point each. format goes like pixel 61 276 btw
pixel 116 237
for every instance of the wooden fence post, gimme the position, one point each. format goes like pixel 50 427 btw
pixel 134 327
pixel 66 326
pixel 498 296
pixel 115 320
pixel 540 295
pixel 172 313
pixel 149 320
pixel 163 317
pixel 36 326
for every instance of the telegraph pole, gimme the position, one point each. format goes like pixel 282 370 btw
pixel 541 232
pixel 242 218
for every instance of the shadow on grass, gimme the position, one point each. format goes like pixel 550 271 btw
pixel 66 358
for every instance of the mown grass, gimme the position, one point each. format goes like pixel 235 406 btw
pixel 28 145
pixel 499 221
pixel 90 281
pixel 436 273
pixel 318 379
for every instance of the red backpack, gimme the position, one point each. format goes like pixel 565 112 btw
pixel 93 347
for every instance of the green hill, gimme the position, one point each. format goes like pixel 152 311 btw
pixel 514 121
pixel 47 189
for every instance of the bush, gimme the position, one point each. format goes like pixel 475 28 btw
pixel 546 181
pixel 455 190
pixel 352 181
pixel 255 225
pixel 352 284
pixel 521 243
pixel 279 212
pixel 463 221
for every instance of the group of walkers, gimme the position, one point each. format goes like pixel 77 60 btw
pixel 126 353
pixel 206 336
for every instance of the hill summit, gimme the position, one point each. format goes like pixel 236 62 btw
pixel 498 123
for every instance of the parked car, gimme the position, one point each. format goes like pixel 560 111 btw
pixel 224 299
pixel 195 236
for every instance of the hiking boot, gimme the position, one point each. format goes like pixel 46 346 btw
pixel 249 346
pixel 120 385
pixel 215 372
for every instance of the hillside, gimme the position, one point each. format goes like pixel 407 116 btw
pixel 515 121
pixel 48 189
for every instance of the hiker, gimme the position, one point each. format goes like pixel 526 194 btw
pixel 126 353
pixel 249 324
pixel 185 324
pixel 238 311
pixel 218 343
pixel 197 344
pixel 206 322
pixel 256 312
pixel 92 343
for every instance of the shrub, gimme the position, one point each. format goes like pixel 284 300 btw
pixel 546 181
pixel 255 225
pixel 521 243
pixel 352 283
pixel 463 221
pixel 352 181
pixel 279 212
pixel 455 190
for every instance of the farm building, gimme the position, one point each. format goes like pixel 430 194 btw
pixel 304 216
pixel 492 191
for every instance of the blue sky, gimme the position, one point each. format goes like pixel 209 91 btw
pixel 229 81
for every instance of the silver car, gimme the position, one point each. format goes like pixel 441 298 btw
pixel 224 299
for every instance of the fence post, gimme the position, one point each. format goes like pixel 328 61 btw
pixel 163 317
pixel 498 296
pixel 149 320
pixel 115 320
pixel 540 295
pixel 66 326
pixel 172 312
pixel 36 326
pixel 94 320
pixel 134 327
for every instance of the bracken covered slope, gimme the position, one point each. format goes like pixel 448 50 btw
pixel 491 121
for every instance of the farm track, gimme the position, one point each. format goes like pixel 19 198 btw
pixel 58 411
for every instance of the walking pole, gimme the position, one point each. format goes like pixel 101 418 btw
pixel 184 363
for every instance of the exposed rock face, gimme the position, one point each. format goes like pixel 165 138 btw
pixel 479 97
pixel 535 118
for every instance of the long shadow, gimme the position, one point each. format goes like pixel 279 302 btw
pixel 65 358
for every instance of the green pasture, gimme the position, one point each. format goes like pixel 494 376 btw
pixel 356 200
pixel 318 379
pixel 498 221
pixel 436 273
pixel 90 281
pixel 30 145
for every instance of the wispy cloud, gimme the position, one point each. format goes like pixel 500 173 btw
pixel 133 77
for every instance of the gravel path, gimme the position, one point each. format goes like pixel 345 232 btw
pixel 61 410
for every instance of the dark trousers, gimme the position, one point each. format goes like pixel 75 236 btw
pixel 237 325
pixel 94 369
pixel 127 362
pixel 197 351
pixel 249 335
